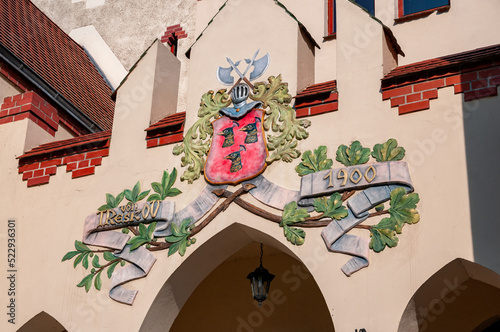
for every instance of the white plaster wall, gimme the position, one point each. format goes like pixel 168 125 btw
pixel 51 217
pixel 7 89
pixel 466 26
pixel 277 35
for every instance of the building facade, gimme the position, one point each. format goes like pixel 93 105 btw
pixel 155 153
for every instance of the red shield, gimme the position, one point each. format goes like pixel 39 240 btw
pixel 238 151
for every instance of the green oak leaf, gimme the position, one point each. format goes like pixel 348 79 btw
pixel 111 268
pixel 86 282
pixel 295 235
pixel 292 215
pixel 331 207
pixel 314 161
pixel 388 151
pixel 403 208
pixel 355 154
pixel 382 237
pixel 197 139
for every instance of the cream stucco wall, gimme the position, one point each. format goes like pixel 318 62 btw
pixel 443 146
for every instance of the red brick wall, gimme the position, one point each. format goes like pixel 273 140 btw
pixel 474 81
pixel 81 164
pixel 166 131
pixel 168 36
pixel 31 106
pixel 317 104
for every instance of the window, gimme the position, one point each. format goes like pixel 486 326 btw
pixel 408 7
pixel 369 5
pixel 332 26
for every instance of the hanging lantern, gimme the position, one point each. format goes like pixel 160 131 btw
pixel 260 280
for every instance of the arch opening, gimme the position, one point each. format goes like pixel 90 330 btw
pixel 210 292
pixel 461 296
pixel 42 322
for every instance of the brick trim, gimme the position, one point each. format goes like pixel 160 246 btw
pixel 413 92
pixel 317 99
pixel 80 155
pixel 172 35
pixel 31 106
pixel 166 131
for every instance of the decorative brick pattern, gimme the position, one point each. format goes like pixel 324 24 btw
pixel 317 99
pixel 31 106
pixel 80 155
pixel 166 131
pixel 476 74
pixel 172 35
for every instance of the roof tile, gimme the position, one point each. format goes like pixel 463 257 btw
pixel 456 60
pixel 314 89
pixel 67 147
pixel 31 36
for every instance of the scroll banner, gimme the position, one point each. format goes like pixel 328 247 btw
pixel 381 178
pixel 141 260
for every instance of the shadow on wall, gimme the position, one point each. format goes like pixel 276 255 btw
pixel 210 291
pixel 43 322
pixel 223 301
pixel 461 296
pixel 481 118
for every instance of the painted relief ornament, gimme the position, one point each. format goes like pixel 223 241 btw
pixel 237 134
pixel 238 151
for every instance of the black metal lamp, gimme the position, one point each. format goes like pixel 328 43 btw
pixel 260 280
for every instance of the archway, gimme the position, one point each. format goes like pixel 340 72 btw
pixel 210 292
pixel 43 322
pixel 461 296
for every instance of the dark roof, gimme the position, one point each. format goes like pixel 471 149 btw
pixel 315 89
pixel 454 60
pixel 40 44
pixel 67 147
